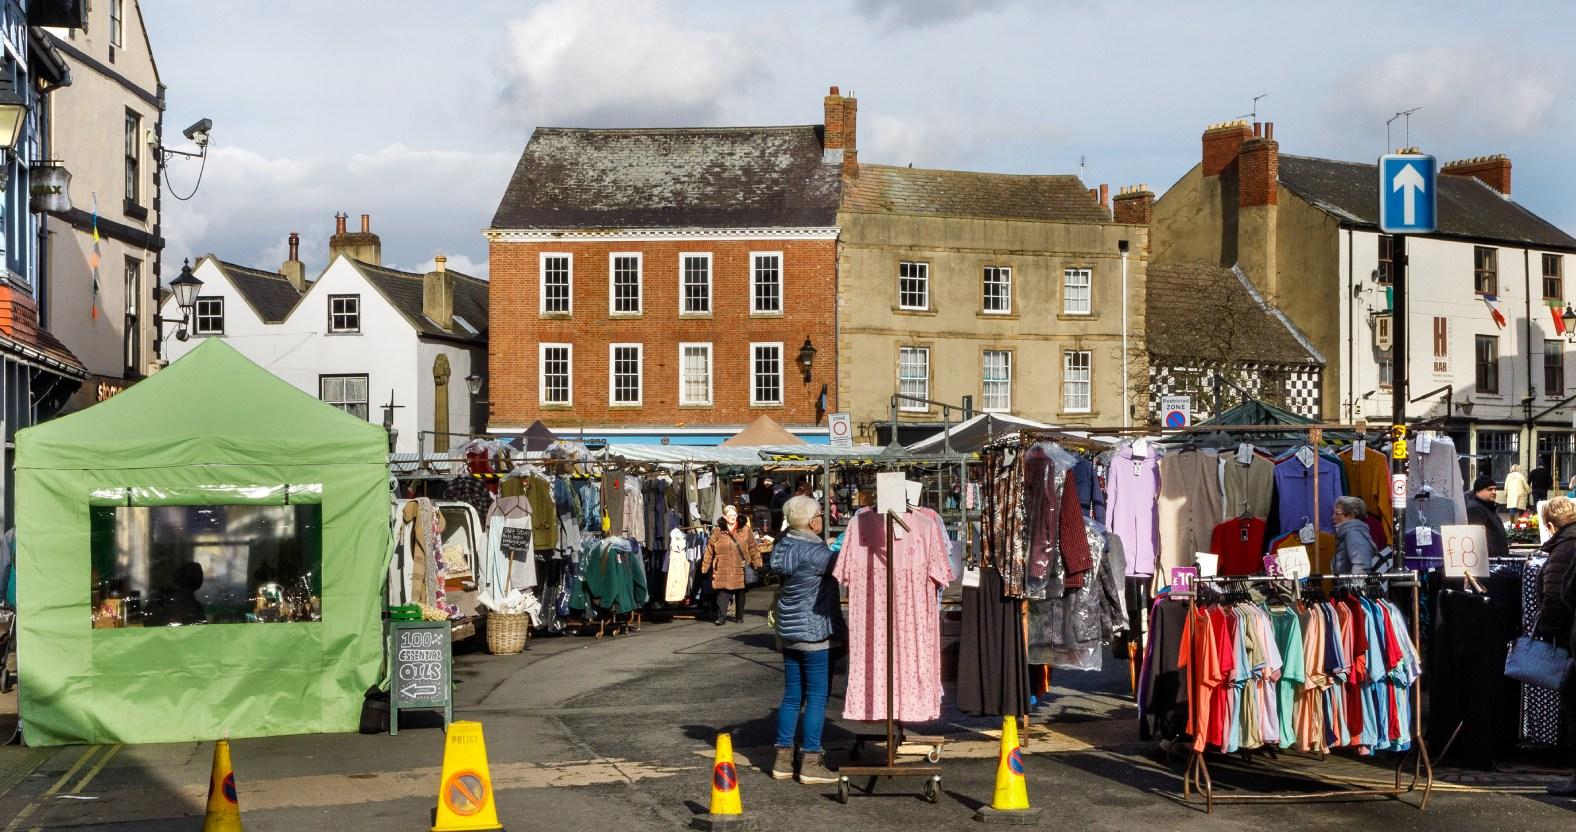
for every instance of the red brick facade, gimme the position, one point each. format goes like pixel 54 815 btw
pixel 1220 146
pixel 517 327
pixel 1493 171
pixel 1258 172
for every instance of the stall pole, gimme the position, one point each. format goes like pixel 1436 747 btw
pixel 1399 377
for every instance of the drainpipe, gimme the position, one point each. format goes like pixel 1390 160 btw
pixel 1530 452
pixel 1127 409
pixel 1351 335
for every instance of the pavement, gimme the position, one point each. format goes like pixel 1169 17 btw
pixel 618 734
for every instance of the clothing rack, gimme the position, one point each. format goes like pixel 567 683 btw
pixel 1197 777
pixel 932 772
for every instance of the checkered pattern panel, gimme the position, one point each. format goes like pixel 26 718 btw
pixel 1294 387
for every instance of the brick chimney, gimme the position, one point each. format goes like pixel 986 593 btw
pixel 1135 205
pixel 364 246
pixel 437 294
pixel 1258 167
pixel 1493 171
pixel 1258 184
pixel 840 142
pixel 1220 145
pixel 293 269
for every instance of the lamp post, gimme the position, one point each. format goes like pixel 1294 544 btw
pixel 1569 319
pixel 185 288
pixel 807 358
pixel 473 383
pixel 13 114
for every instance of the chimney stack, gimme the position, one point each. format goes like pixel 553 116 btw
pixel 1258 186
pixel 1258 169
pixel 364 245
pixel 1220 145
pixel 293 269
pixel 1105 195
pixel 840 131
pixel 1493 171
pixel 1134 205
pixel 437 294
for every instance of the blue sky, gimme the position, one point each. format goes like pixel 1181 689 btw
pixel 416 112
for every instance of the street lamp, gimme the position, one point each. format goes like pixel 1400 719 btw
pixel 474 382
pixel 1569 319
pixel 185 289
pixel 13 113
pixel 807 358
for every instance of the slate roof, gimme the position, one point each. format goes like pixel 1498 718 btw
pixel 270 294
pixel 884 189
pixel 706 177
pixel 1468 208
pixel 404 291
pixel 1204 312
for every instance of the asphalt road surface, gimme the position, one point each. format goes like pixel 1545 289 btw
pixel 617 735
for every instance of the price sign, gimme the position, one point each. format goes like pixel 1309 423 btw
pixel 1293 562
pixel 1466 550
pixel 1184 580
pixel 1208 564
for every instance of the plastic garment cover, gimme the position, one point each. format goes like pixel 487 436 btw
pixel 216 425
pixel 1067 631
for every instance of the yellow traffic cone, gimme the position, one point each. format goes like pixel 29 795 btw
pixel 224 806
pixel 727 809
pixel 465 791
pixel 1011 801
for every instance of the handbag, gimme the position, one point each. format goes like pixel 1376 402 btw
pixel 1539 663
pixel 750 576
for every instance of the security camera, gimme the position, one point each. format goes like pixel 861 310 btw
pixel 198 132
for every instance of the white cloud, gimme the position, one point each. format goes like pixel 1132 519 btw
pixel 1476 91
pixel 421 202
pixel 595 63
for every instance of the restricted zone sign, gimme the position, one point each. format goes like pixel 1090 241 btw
pixel 1176 411
pixel 840 429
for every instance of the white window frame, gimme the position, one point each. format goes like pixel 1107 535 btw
pixel 985 296
pixel 332 314
pixel 197 318
pixel 612 283
pixel 1067 381
pixel 541 374
pixel 900 304
pixel 711 280
pixel 365 402
pixel 710 373
pixel 782 374
pixel 985 382
pixel 755 300
pixel 904 404
pixel 1088 289
pixel 612 374
pixel 541 282
pixel 117 23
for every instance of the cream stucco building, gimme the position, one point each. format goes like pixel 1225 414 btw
pixel 1012 290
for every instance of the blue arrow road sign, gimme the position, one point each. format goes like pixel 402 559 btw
pixel 1407 200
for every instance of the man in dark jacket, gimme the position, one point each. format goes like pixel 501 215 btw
pixel 1482 511
pixel 1541 482
pixel 807 606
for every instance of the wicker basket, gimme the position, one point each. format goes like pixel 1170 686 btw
pixel 506 632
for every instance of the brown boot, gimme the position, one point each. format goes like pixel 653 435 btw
pixel 813 771
pixel 782 767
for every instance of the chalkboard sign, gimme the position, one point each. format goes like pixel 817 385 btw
pixel 421 666
pixel 516 538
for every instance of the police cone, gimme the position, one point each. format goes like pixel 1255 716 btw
pixel 224 806
pixel 726 811
pixel 1010 804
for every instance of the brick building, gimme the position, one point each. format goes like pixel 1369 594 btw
pixel 663 284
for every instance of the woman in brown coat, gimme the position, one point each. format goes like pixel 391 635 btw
pixel 727 550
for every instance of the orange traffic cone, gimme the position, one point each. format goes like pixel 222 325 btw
pixel 1011 801
pixel 727 809
pixel 224 806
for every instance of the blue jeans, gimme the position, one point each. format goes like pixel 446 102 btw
pixel 806 680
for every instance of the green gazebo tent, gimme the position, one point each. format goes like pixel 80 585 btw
pixel 189 445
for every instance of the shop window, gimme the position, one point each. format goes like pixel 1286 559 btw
pixel 184 565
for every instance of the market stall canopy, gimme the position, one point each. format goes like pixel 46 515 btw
pixel 974 433
pixel 763 431
pixel 537 437
pixel 741 457
pixel 210 434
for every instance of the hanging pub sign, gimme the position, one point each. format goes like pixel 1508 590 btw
pixel 1383 337
pixel 51 191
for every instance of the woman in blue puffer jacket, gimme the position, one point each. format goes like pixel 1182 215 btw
pixel 807 609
